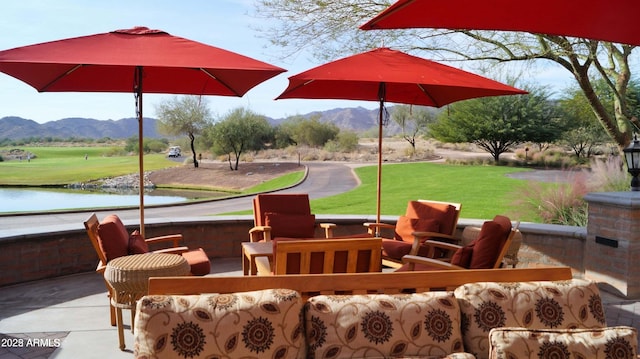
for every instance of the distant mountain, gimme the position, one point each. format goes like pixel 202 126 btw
pixel 15 128
pixel 357 119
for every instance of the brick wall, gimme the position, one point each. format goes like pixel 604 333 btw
pixel 68 251
pixel 612 249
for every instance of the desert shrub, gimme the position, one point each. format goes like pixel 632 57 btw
pixel 563 203
pixel 560 203
pixel 608 175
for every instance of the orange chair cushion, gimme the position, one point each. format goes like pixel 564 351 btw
pixel 444 213
pixel 406 225
pixel 488 245
pixel 198 260
pixel 137 244
pixel 291 225
pixel 113 237
pixel 279 203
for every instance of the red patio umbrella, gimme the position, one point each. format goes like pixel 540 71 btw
pixel 387 75
pixel 135 60
pixel 594 19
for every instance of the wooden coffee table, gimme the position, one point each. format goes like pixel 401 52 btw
pixel 251 250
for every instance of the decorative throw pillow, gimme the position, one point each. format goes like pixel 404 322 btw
pixel 612 342
pixel 137 244
pixel 291 225
pixel 574 303
pixel 405 226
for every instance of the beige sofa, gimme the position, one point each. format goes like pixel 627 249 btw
pixel 476 319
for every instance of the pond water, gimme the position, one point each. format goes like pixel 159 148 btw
pixel 42 199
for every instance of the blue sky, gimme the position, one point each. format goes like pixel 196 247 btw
pixel 221 23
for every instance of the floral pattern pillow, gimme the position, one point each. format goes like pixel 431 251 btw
pixel 568 304
pixel 259 324
pixel 380 325
pixel 609 343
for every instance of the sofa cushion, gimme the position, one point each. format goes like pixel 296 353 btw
pixel 613 342
pixel 405 226
pixel 568 304
pixel 291 225
pixel 113 237
pixel 264 324
pixel 382 325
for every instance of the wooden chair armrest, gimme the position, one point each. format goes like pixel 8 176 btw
pixel 442 236
pixel 175 238
pixel 174 250
pixel 442 245
pixel 260 232
pixel 328 229
pixel 413 260
pixel 421 240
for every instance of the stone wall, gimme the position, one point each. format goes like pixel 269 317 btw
pixel 65 251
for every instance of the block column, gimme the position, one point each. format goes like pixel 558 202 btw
pixel 612 252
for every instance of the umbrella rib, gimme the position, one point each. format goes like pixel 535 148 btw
pixel 45 87
pixel 426 93
pixel 222 82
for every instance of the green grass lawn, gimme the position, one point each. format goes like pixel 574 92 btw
pixel 280 182
pixel 64 165
pixel 483 191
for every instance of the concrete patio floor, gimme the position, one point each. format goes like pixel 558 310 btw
pixel 68 317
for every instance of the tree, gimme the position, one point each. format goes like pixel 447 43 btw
pixel 330 29
pixel 496 124
pixel 184 115
pixel 583 130
pixel 306 131
pixel 239 131
pixel 413 121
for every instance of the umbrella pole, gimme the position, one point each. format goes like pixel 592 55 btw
pixel 140 146
pixel 381 96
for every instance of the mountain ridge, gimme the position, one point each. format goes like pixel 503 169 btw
pixel 357 119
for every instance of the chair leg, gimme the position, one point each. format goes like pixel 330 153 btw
pixel 133 315
pixel 120 328
pixel 112 314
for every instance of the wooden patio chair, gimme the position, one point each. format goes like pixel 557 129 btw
pixel 110 240
pixel 317 256
pixel 423 220
pixel 487 251
pixel 284 215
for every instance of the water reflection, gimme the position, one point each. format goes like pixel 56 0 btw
pixel 43 199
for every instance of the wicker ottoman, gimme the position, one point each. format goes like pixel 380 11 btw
pixel 128 278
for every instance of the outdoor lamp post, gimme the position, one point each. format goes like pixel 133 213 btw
pixel 632 157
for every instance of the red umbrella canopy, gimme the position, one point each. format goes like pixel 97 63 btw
pixel 408 79
pixel 107 62
pixel 594 19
